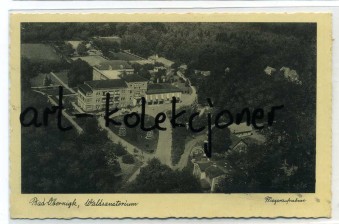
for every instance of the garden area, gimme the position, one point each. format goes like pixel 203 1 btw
pixel 146 141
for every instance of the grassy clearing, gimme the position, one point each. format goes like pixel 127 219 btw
pixel 39 53
pixel 61 75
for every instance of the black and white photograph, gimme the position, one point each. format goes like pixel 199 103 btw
pixel 168 107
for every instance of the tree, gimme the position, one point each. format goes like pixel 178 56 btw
pixel 80 71
pixel 128 159
pixel 65 162
pixel 221 140
pixel 119 150
pixel 82 49
pixel 159 178
pixel 67 49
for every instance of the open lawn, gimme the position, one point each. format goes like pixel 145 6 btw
pixel 61 75
pixel 136 136
pixel 38 81
pixel 39 52
pixel 53 90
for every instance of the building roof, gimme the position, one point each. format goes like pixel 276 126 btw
pixel 240 128
pixel 134 78
pixel 203 165
pixel 111 74
pixel 74 43
pixel 183 66
pixel 92 60
pixel 235 140
pixel 107 84
pixel 111 37
pixel 161 60
pixel 113 65
pixel 249 140
pixel 162 88
pixel 142 62
pixel 180 85
pixel 213 171
pixel 85 88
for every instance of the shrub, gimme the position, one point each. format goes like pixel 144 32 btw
pixel 119 150
pixel 128 159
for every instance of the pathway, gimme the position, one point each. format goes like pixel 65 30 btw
pixel 188 148
pixel 62 83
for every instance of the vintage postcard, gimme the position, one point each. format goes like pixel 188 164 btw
pixel 170 115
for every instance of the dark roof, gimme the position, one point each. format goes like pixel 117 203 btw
pixel 162 88
pixel 213 171
pixel 235 140
pixel 114 65
pixel 107 84
pixel 85 88
pixel 204 165
pixel 134 78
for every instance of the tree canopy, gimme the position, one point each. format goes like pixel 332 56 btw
pixel 79 72
pixel 159 178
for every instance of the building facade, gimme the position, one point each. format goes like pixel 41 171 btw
pixel 92 95
pixel 126 91
pixel 137 87
pixel 162 93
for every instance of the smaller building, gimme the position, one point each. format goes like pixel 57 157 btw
pixel 162 93
pixel 167 63
pixel 183 67
pixel 203 73
pixel 183 87
pixel 214 175
pixel 238 144
pixel 241 130
pixel 208 173
pixel 269 70
pixel 111 70
pixel 199 168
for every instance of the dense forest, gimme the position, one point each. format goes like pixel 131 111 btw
pixel 55 161
pixel 236 54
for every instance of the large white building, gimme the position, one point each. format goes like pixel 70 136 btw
pixel 124 92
